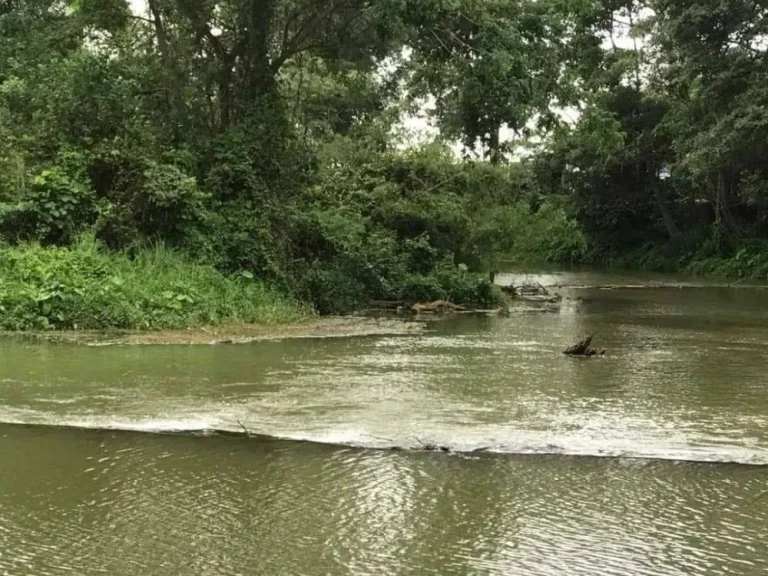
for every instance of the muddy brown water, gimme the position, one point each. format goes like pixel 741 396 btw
pixel 650 461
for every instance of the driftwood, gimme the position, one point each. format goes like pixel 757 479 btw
pixel 584 349
pixel 437 307
pixel 245 429
pixel 532 292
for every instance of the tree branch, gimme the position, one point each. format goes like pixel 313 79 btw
pixel 142 18
pixel 293 46
pixel 157 21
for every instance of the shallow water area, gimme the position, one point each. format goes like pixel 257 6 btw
pixel 651 460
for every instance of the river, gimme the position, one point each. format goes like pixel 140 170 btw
pixel 649 461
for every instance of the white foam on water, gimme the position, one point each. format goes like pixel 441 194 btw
pixel 642 442
pixel 529 444
pixel 161 426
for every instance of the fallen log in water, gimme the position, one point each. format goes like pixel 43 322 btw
pixel 584 349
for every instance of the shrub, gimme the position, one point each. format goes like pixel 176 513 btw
pixel 85 288
pixel 168 203
pixel 522 234
pixel 143 200
pixel 53 209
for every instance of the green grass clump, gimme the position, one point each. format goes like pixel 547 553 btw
pixel 87 288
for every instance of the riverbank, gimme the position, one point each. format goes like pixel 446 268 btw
pixel 89 288
pixel 157 295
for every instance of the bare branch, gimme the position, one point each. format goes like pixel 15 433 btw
pixel 294 45
pixel 245 429
pixel 142 18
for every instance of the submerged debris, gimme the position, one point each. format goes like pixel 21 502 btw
pixel 429 447
pixel 435 448
pixel 584 349
pixel 532 292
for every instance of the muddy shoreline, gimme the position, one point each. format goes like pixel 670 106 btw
pixel 228 334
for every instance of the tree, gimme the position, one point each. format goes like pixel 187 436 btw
pixel 237 48
pixel 712 65
pixel 487 64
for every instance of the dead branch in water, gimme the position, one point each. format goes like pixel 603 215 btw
pixel 584 349
pixel 759 497
pixel 420 442
pixel 428 447
pixel 245 429
pixel 390 440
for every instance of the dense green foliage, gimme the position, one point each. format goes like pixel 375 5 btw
pixel 83 288
pixel 666 166
pixel 261 137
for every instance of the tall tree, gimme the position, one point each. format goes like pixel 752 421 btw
pixel 713 67
pixel 238 47
pixel 487 64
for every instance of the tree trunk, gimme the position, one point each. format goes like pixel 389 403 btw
pixel 259 76
pixel 224 83
pixel 669 222
pixel 173 77
pixel 162 38
pixel 638 52
pixel 722 205
pixel 494 146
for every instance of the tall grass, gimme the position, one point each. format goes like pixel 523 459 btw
pixel 85 287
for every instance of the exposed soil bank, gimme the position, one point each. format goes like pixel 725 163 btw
pixel 329 327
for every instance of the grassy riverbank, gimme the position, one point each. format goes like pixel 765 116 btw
pixel 86 288
pixel 713 256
